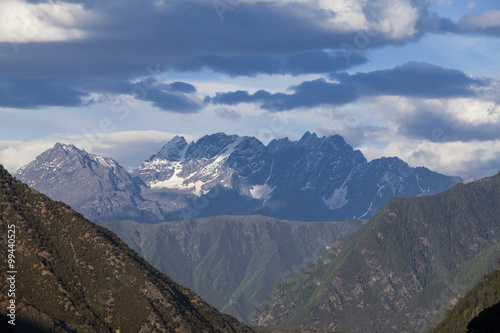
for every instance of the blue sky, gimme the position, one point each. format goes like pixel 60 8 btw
pixel 415 79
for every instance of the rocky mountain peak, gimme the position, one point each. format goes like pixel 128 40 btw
pixel 68 149
pixel 210 146
pixel 95 185
pixel 173 150
pixel 332 143
pixel 308 138
pixel 279 144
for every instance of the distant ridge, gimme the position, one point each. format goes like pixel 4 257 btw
pixel 232 262
pixel 312 179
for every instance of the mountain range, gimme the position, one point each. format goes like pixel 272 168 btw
pixel 401 270
pixel 232 262
pixel 312 179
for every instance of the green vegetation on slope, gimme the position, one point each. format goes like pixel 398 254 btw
pixel 485 294
pixel 232 262
pixel 401 270
pixel 76 276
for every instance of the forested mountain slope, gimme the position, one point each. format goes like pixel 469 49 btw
pixel 402 269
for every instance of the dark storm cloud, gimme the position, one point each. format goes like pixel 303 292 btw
pixel 183 87
pixel 136 39
pixel 439 126
pixel 414 79
pixel 19 92
pixel 129 40
pixel 172 97
pixel 127 36
pixel 295 64
pixel 136 34
pixel 24 93
pixel 410 80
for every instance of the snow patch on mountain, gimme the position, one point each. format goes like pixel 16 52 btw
pixel 366 213
pixel 262 192
pixel 104 161
pixel 199 181
pixel 226 152
pixel 338 199
pixel 173 182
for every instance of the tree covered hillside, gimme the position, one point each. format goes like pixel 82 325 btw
pixel 401 270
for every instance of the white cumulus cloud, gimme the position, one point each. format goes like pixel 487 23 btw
pixel 54 21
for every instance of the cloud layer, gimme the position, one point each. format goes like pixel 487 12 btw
pixel 51 50
pixel 409 80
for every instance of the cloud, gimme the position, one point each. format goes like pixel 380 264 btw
pixel 121 41
pixel 27 92
pixel 174 97
pixel 228 114
pixel 24 92
pixel 294 64
pixel 15 154
pixel 438 127
pixel 471 4
pixel 458 120
pixel 354 134
pixel 43 21
pixel 486 23
pixel 464 159
pixel 412 80
pixel 79 44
